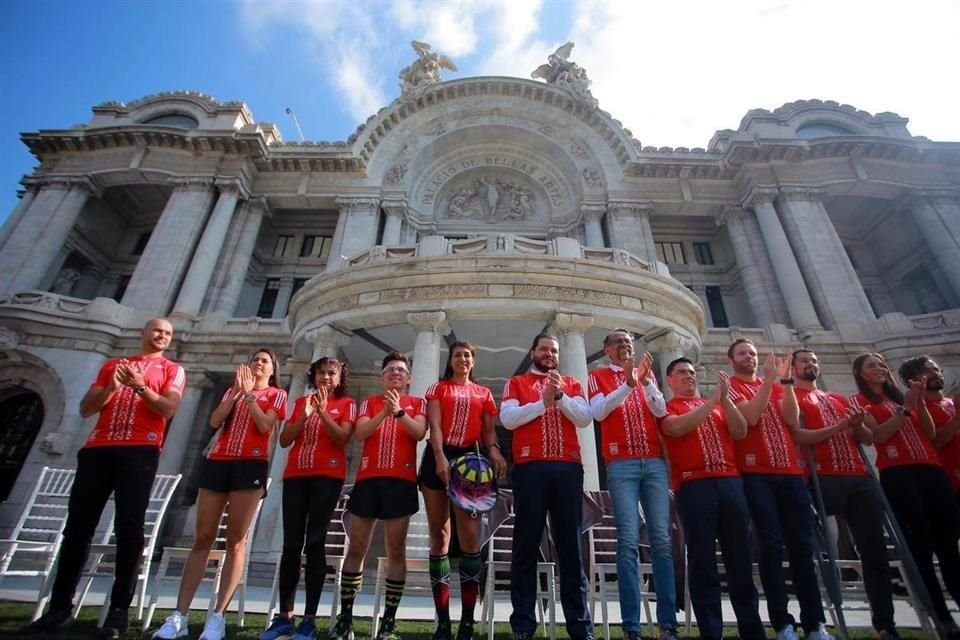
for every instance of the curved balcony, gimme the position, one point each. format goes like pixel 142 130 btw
pixel 501 277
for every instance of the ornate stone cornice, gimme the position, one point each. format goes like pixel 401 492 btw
pixel 593 209
pixel 732 214
pixel 760 195
pixel 195 183
pixel 233 184
pixel 430 321
pixel 395 207
pixel 9 339
pixel 85 183
pixel 348 204
pixel 259 205
pixel 630 208
pixel 800 192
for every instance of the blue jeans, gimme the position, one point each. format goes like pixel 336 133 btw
pixel 554 489
pixel 715 509
pixel 644 481
pixel 781 514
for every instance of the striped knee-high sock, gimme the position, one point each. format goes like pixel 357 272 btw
pixel 440 583
pixel 349 586
pixel 394 593
pixel 471 568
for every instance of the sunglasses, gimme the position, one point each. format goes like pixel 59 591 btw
pixel 396 369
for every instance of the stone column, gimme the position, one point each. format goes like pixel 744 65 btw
pixel 356 229
pixel 593 231
pixel 431 326
pixel 168 253
pixel 185 422
pixel 194 286
pixel 833 284
pixel 570 328
pixel 395 211
pixel 36 241
pixel 327 341
pixel 937 217
pixel 667 348
pixel 803 315
pixel 283 297
pixel 14 219
pixel 239 262
pixel 760 305
pixel 630 229
pixel 88 286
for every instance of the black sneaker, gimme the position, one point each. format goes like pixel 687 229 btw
pixel 522 635
pixel 465 630
pixel 52 621
pixel 115 625
pixel 388 629
pixel 343 629
pixel 443 631
pixel 632 635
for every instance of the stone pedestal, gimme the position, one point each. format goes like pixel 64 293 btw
pixel 570 328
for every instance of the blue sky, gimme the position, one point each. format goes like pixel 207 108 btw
pixel 673 73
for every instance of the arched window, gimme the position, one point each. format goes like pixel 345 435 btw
pixel 822 130
pixel 174 120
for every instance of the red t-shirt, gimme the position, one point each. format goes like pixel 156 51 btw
pixel 941 411
pixel 551 436
pixel 907 446
pixel 630 430
pixel 704 452
pixel 838 455
pixel 314 453
pixel 240 439
pixel 768 447
pixel 390 452
pixel 126 420
pixel 462 407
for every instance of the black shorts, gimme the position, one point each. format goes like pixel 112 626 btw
pixel 384 498
pixel 224 476
pixel 428 466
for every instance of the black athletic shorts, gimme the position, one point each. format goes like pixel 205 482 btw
pixel 428 466
pixel 224 476
pixel 384 498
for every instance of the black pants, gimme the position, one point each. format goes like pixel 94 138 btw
pixel 128 473
pixel 539 489
pixel 308 504
pixel 857 499
pixel 923 502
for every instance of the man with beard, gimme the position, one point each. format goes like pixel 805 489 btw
pixel 544 410
pixel 943 410
pixel 699 435
pixel 832 426
pixel 636 472
pixel 776 494
pixel 134 397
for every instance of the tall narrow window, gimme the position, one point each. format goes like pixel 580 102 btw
pixel 269 298
pixel 297 285
pixel 717 312
pixel 315 246
pixel 702 253
pixel 670 252
pixel 283 247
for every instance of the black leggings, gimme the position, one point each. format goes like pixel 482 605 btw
pixel 308 504
pixel 923 503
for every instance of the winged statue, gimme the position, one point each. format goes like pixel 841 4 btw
pixel 424 71
pixel 563 72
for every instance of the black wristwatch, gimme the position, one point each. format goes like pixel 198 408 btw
pixel 901 411
pixel 140 391
pixel 399 414
pixel 558 397
pixel 787 381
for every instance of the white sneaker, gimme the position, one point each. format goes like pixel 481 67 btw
pixel 215 628
pixel 787 633
pixel 820 634
pixel 173 627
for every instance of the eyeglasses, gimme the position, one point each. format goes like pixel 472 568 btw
pixel 396 369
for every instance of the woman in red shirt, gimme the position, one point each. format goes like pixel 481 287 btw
pixel 460 414
pixel 911 475
pixel 318 431
pixel 234 473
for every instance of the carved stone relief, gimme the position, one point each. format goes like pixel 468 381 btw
pixel 490 199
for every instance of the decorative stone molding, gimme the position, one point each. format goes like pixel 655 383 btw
pixel 9 339
pixel 259 206
pixel 87 184
pixel 571 323
pixel 233 185
pixel 732 214
pixel 327 339
pixel 593 210
pixel 395 208
pixel 592 177
pixel 629 208
pixel 430 321
pixel 801 193
pixel 196 183
pixel 396 173
pixel 760 195
pixel 349 204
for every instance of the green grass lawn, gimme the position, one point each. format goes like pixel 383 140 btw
pixel 15 615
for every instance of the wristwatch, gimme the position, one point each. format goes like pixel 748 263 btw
pixel 558 397
pixel 250 397
pixel 399 414
pixel 900 411
pixel 140 391
pixel 787 381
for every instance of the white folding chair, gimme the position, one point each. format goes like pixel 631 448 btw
pixel 499 551
pixel 176 557
pixel 418 562
pixel 102 560
pixel 335 550
pixel 31 550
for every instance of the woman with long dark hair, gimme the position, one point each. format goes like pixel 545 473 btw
pixel 318 431
pixel 460 414
pixel 912 476
pixel 233 477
